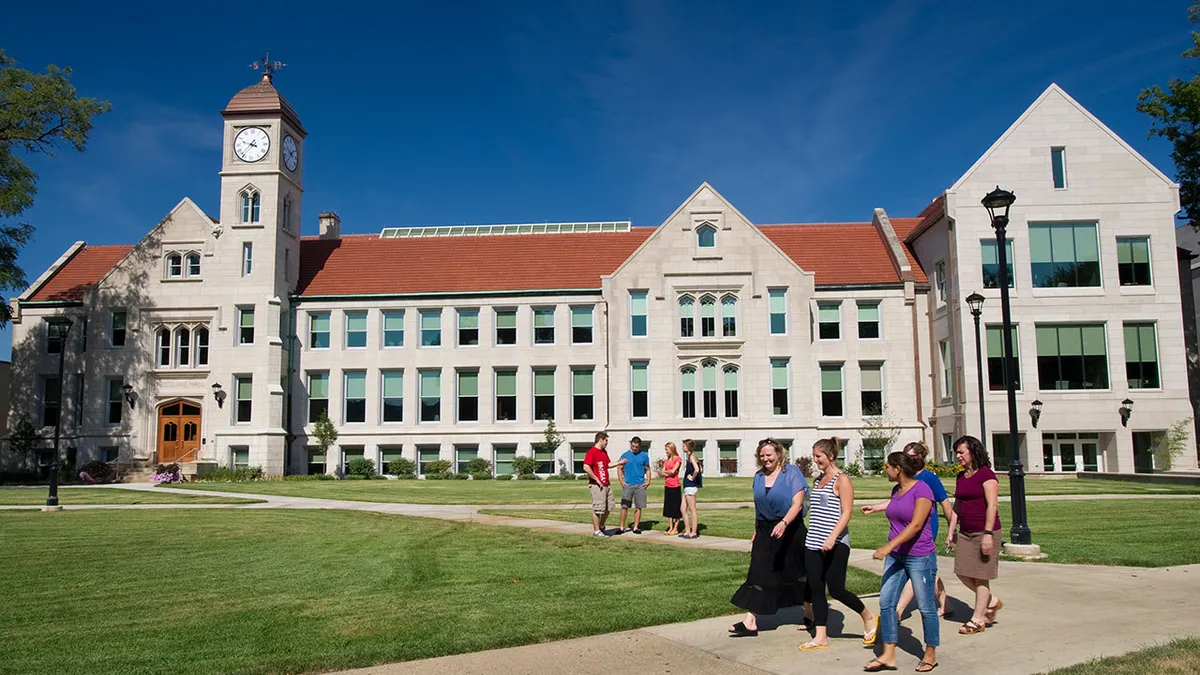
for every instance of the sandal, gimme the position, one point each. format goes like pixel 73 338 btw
pixel 811 646
pixel 992 611
pixel 925 667
pixel 739 630
pixel 971 628
pixel 875 665
pixel 869 638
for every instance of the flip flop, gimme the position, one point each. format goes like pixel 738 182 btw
pixel 869 638
pixel 921 666
pixel 811 647
pixel 875 666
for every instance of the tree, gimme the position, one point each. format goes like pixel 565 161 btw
pixel 39 112
pixel 324 433
pixel 1175 115
pixel 551 438
pixel 1174 442
pixel 879 434
pixel 24 437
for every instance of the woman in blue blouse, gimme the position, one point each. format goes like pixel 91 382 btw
pixel 776 575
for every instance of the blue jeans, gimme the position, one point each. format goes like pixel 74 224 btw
pixel 897 570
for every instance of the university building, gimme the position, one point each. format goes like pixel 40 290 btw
pixel 222 338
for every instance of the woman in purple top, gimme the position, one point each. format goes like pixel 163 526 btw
pixel 910 554
pixel 977 519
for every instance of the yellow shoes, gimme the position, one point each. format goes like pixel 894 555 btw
pixel 869 638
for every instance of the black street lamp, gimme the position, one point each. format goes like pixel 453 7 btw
pixel 997 203
pixel 61 325
pixel 975 301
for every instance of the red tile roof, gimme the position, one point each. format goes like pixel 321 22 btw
pixel 82 271
pixel 902 227
pixel 927 217
pixel 838 253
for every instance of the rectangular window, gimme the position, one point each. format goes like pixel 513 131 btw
pixel 1072 357
pixel 581 325
pixel 708 381
pixel 708 317
pixel 545 460
pixel 425 455
pixel 431 395
pixel 1141 356
pixel 245 325
pixel 868 320
pixel 389 454
pixel 944 350
pixel 79 391
pixel 727 451
pixel 468 395
pixel 543 325
pixel 638 309
pixel 831 390
pixel 109 453
pixel 56 335
pixel 52 401
pixel 316 461
pixel 116 397
pixel 731 392
pixel 688 385
pixel 640 385
pixel 392 390
pixel 502 459
pixel 829 320
pixel 777 306
pixel 355 397
pixel 1058 167
pixel 463 454
pixel 356 330
pixel 729 316
pixel 939 274
pixel 318 330
pixel 393 329
pixel 506 395
pixel 351 453
pixel 116 334
pixel 83 336
pixel 578 454
pixel 991 263
pixel 318 395
pixel 581 393
pixel 779 386
pixel 1133 261
pixel 468 327
pixel 247 258
pixel 431 327
pixel 870 377
pixel 1064 255
pixel 997 380
pixel 244 398
pixel 506 327
pixel 543 394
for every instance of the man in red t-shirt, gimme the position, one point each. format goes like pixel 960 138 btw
pixel 596 465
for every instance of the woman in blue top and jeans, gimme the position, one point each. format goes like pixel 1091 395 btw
pixel 776 575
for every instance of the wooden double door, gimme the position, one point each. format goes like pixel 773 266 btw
pixel 178 432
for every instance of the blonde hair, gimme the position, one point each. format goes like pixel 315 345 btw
pixel 689 446
pixel 830 447
pixel 918 448
pixel 671 450
pixel 779 449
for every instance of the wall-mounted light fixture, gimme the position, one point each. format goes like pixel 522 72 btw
pixel 219 394
pixel 1035 413
pixel 131 396
pixel 1125 410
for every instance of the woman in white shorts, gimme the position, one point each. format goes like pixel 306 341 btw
pixel 692 482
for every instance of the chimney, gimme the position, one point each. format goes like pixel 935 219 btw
pixel 330 225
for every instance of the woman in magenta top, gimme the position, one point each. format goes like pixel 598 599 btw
pixel 974 531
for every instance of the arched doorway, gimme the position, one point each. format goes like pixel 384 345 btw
pixel 178 432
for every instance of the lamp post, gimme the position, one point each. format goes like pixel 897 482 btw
pixel 997 203
pixel 975 302
pixel 62 326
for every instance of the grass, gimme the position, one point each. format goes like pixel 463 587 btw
pixel 207 591
pixel 1130 532
pixel 1181 657
pixel 36 496
pixel 575 492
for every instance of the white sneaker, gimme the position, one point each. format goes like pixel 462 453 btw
pixel 602 535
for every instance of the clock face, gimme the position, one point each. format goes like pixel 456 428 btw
pixel 251 144
pixel 291 156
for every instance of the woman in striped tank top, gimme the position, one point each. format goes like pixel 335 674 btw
pixel 827 545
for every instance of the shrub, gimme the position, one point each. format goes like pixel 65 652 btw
pixel 480 469
pixel 402 468
pixel 20 478
pixel 362 467
pixel 875 466
pixel 167 473
pixel 944 470
pixel 437 470
pixel 525 466
pixel 99 472
pixel 563 476
pixel 806 464
pixel 224 474
pixel 313 476
pixel 854 470
pixel 526 476
pixel 460 475
pixel 659 471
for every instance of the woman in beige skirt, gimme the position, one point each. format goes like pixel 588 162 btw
pixel 974 531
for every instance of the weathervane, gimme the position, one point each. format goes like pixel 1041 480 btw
pixel 267 65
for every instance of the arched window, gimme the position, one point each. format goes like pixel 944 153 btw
pixel 687 314
pixel 708 316
pixel 688 381
pixel 183 348
pixel 708 377
pixel 731 391
pixel 174 266
pixel 164 348
pixel 251 204
pixel 706 236
pixel 729 316
pixel 193 264
pixel 201 338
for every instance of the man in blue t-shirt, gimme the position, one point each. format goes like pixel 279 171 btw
pixel 634 475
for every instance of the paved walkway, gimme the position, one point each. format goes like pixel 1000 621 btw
pixel 1054 616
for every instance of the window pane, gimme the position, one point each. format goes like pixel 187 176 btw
pixel 468 319
pixel 543 318
pixel 392 321
pixel 581 382
pixel 543 383
pixel 872 378
pixel 320 322
pixel 779 374
pixel 356 385
pixel 1093 340
pixel 731 379
pixel 689 379
pixel 828 313
pixel 1039 244
pixel 431 384
pixel 431 320
pixel 831 378
pixel 709 375
pixel 637 302
pixel 778 300
pixel 506 383
pixel 506 319
pixel 868 312
pixel 318 385
pixel 468 384
pixel 640 379
pixel 581 316
pixel 356 322
pixel 245 388
pixel 393 384
pixel 1086 247
pixel 1057 168
pixel 1146 335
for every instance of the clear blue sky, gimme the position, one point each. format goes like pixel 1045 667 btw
pixel 566 111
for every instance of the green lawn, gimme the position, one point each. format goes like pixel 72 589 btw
pixel 1181 657
pixel 1139 533
pixel 22 496
pixel 208 591
pixel 575 492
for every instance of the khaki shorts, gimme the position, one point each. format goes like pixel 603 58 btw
pixel 602 498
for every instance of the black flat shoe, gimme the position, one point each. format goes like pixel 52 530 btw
pixel 876 665
pixel 739 630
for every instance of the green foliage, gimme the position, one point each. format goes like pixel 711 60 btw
pixel 437 470
pixel 24 437
pixel 1175 116
pixel 38 112
pixel 526 476
pixel 853 469
pixel 874 466
pixel 99 471
pixel 324 433
pixel 879 432
pixel 551 438
pixel 224 474
pixel 305 478
pixel 944 470
pixel 805 463
pixel 564 476
pixel 362 467
pixel 1174 442
pixel 402 468
pixel 525 466
pixel 480 469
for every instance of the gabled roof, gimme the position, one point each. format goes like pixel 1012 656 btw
pixel 924 220
pixel 80 273
pixel 840 254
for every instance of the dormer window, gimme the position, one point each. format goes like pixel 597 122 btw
pixel 193 264
pixel 180 265
pixel 706 236
pixel 174 266
pixel 251 205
